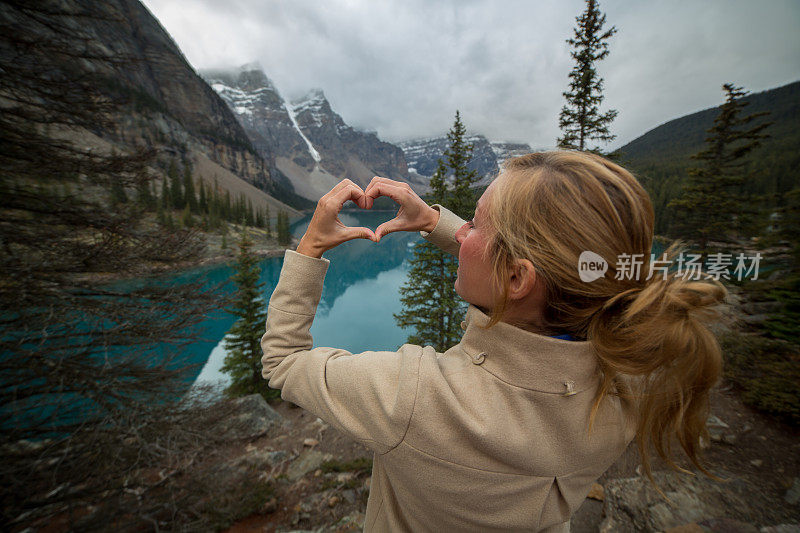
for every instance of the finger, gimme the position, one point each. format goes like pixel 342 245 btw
pixel 378 179
pixel 338 188
pixel 374 180
pixel 380 231
pixel 359 233
pixel 342 184
pixel 367 201
pixel 391 226
pixel 350 191
pixel 398 194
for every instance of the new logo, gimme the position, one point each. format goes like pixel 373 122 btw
pixel 591 266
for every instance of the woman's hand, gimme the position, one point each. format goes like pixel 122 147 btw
pixel 414 213
pixel 326 231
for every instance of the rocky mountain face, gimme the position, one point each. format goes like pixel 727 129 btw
pixel 305 141
pixel 423 155
pixel 266 119
pixel 159 101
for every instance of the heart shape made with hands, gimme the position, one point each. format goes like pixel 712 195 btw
pixel 326 231
pixel 413 213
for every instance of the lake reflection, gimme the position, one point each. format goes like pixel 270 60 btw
pixel 360 295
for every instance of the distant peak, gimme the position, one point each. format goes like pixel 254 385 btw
pixel 255 72
pixel 314 95
pixel 248 77
pixel 251 76
pixel 254 65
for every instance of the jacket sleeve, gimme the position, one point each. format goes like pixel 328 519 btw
pixel 444 234
pixel 369 396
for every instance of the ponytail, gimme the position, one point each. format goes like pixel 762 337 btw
pixel 659 335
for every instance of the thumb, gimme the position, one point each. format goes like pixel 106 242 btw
pixel 387 227
pixel 361 233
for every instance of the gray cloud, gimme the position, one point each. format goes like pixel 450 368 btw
pixel 403 67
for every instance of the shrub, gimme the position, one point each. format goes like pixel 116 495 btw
pixel 767 371
pixel 356 465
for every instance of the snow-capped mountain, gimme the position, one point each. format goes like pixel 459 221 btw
pixel 305 140
pixel 423 155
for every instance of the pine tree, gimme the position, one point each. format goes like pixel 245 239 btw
pixel 248 212
pixel 267 223
pixel 428 296
pixel 238 210
pixel 790 221
pixel 214 221
pixel 160 217
pixel 144 196
pixel 214 207
pixel 458 155
pixel 580 119
pixel 118 195
pixel 283 229
pixel 203 200
pixel 711 197
pixel 186 217
pixel 783 322
pixel 189 197
pixel 154 194
pixel 430 303
pixel 242 343
pixel 175 193
pixel 227 210
pixel 166 201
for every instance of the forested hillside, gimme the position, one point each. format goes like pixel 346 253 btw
pixel 661 157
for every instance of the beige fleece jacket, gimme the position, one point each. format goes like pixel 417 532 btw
pixel 491 435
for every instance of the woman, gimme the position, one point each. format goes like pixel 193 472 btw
pixel 554 375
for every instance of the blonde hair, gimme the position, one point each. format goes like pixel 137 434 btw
pixel 549 208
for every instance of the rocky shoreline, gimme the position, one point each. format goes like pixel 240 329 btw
pixel 214 255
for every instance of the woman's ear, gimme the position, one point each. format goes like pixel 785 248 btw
pixel 522 279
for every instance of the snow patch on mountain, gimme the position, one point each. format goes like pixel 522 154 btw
pixel 313 102
pixel 311 149
pixel 241 101
pixel 314 99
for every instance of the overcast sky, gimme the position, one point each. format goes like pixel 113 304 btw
pixel 402 67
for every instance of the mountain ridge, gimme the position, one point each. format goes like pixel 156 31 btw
pixel 661 156
pixel 487 157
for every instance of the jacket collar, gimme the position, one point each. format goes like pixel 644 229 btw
pixel 527 359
